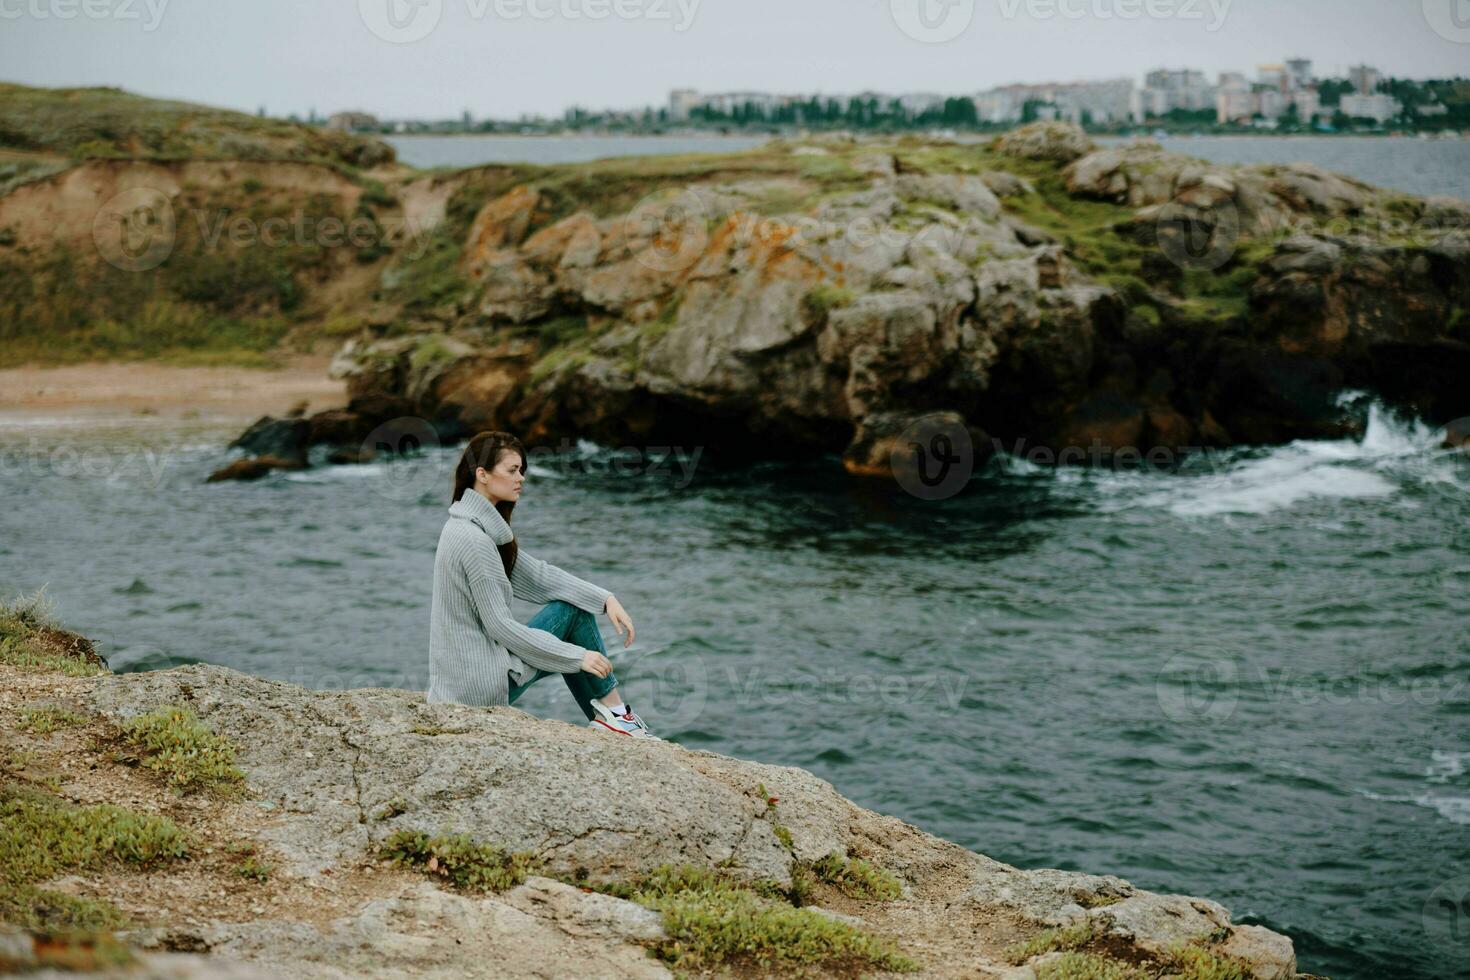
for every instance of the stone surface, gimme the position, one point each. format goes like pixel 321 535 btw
pixel 766 315
pixel 1055 141
pixel 324 767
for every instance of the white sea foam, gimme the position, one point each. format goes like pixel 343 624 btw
pixel 1444 766
pixel 1455 809
pixel 1244 482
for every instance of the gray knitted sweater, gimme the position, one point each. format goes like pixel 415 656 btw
pixel 474 643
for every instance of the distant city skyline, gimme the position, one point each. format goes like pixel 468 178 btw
pixel 507 58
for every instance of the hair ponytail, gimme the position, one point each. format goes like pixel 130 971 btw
pixel 486 449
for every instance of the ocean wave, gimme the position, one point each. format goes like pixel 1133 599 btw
pixel 1392 454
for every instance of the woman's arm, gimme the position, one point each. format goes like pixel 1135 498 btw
pixel 484 572
pixel 538 581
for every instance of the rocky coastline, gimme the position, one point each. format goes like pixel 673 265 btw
pixel 283 804
pixel 1083 304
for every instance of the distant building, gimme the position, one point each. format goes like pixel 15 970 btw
pixel 997 106
pixel 1235 101
pixel 1308 103
pixel 921 101
pixel 1165 90
pixel 1273 77
pixel 1270 103
pixel 1300 72
pixel 1379 108
pixel 682 101
pixel 353 122
pixel 1107 101
pixel 1365 80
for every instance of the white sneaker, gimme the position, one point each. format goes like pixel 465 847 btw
pixel 627 723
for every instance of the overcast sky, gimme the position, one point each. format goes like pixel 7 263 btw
pixel 502 58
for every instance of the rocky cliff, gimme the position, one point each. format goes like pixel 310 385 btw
pixel 1037 291
pixel 247 827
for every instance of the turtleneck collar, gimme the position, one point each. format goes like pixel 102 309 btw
pixel 473 506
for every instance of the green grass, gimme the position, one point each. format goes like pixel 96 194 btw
pixel 466 862
pixel 45 719
pixel 1080 962
pixel 42 836
pixel 1088 966
pixel 21 171
pixel 31 640
pixel 1196 963
pixel 856 878
pixel 89 123
pixel 1071 937
pixel 188 755
pixel 712 920
pixel 825 298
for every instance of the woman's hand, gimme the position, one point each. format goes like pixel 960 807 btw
pixel 595 663
pixel 620 618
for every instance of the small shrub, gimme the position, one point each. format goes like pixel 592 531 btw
pixel 1088 966
pixel 41 836
pixel 374 194
pixel 252 868
pixel 48 718
pixel 1066 938
pixel 461 859
pixel 713 920
pixel 391 809
pixel 1195 963
pixel 823 299
pixel 52 913
pixel 856 878
pixel 190 756
pixel 30 639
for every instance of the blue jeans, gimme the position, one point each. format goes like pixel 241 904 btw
pixel 578 627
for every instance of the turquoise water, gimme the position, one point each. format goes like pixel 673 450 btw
pixel 1248 680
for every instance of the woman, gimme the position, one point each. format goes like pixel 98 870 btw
pixel 479 654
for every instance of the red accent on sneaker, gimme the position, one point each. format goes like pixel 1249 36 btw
pixel 599 721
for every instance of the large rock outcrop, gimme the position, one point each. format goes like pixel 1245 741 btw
pixel 331 774
pixel 776 317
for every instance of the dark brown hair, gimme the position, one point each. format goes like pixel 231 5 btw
pixel 486 449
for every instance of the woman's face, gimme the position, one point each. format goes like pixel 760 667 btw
pixel 504 481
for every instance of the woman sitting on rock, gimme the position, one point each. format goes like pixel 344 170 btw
pixel 479 654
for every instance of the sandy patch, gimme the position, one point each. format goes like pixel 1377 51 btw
pixel 164 392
